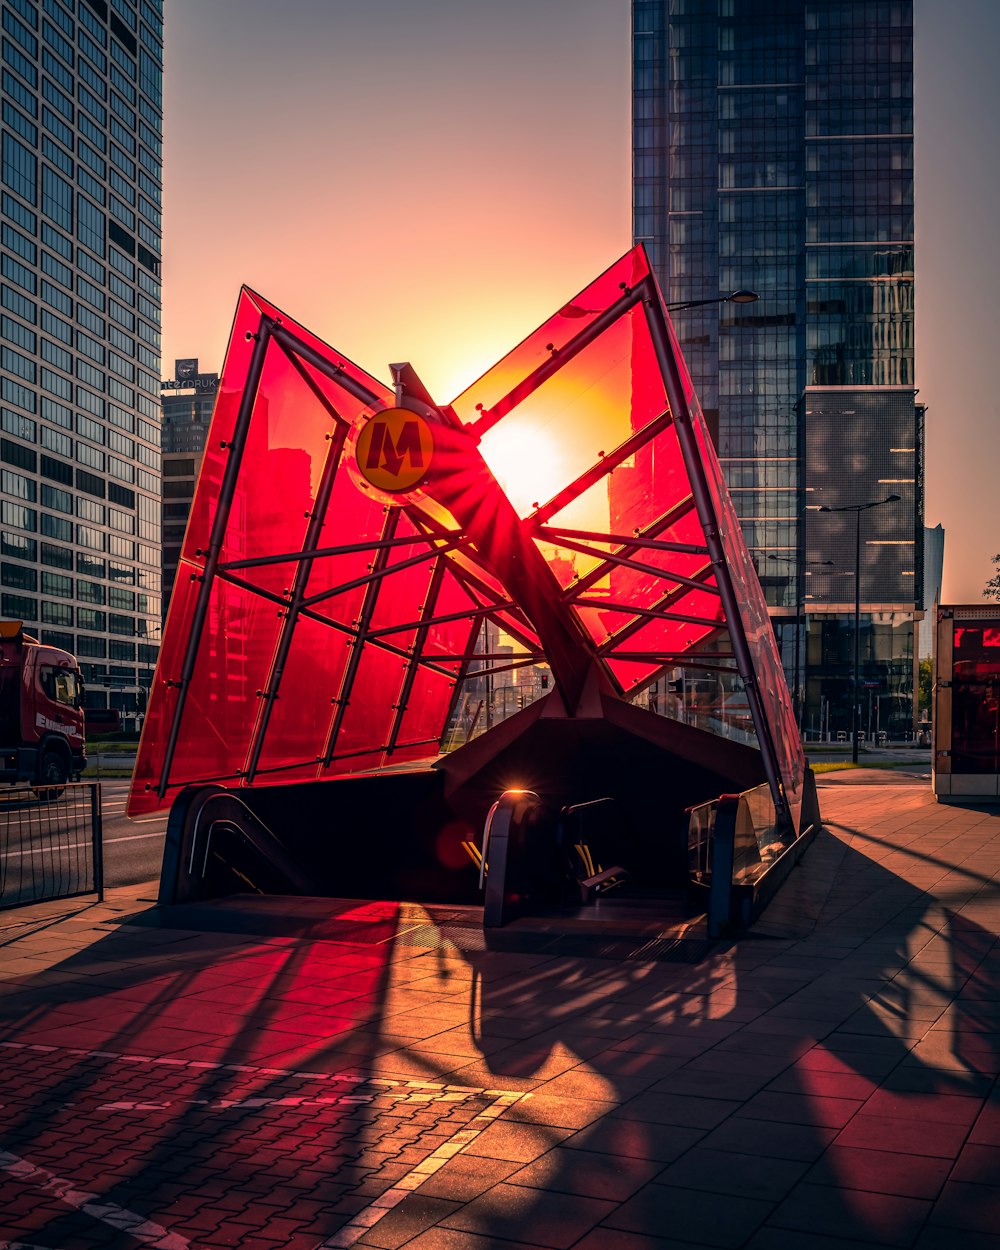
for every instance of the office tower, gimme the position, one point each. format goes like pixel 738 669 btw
pixel 773 152
pixel 80 328
pixel 187 399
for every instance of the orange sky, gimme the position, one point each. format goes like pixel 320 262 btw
pixel 430 181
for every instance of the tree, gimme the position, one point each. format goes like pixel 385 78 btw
pixel 925 686
pixel 992 588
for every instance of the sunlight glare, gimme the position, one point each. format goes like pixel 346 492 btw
pixel 526 462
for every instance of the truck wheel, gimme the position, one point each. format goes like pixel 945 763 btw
pixel 52 777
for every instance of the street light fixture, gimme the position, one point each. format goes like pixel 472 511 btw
pixel 734 297
pixel 857 509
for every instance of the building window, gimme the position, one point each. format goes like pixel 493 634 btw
pixel 18 576
pixel 57 584
pixel 56 527
pixel 89 592
pixel 91 227
pixel 18 546
pixel 57 198
pixel 57 614
pixel 18 516
pixel 57 557
pixel 90 618
pixel 96 647
pixel 19 607
pixel 20 168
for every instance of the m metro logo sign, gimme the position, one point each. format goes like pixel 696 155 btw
pixel 394 450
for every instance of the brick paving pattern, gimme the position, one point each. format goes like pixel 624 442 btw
pixel 829 1080
pixel 307 1152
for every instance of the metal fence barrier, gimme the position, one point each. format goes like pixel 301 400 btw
pixel 50 843
pixel 739 852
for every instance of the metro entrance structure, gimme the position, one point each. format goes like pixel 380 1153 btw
pixel 361 565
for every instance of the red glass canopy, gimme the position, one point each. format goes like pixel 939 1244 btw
pixel 573 515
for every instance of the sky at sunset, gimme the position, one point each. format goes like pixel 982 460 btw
pixel 428 181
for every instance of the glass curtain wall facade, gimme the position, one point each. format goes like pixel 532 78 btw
pixel 80 329
pixel 773 151
pixel 188 400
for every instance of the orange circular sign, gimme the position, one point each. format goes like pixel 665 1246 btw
pixel 394 450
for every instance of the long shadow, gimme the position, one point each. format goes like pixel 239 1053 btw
pixel 792 1085
pixel 132 1166
pixel 757 1073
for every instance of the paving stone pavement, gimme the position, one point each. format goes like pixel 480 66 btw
pixel 828 1080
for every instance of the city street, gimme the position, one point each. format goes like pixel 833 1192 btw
pixel 189 1079
pixel 46 848
pixel 133 849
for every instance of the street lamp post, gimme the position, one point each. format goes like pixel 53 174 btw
pixel 857 509
pixel 734 297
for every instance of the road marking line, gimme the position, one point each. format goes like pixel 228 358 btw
pixel 354 1078
pixel 407 1088
pixel 91 1204
pixel 384 1203
pixel 239 1104
pixel 131 837
pixel 75 846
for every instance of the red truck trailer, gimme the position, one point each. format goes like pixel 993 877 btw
pixel 41 710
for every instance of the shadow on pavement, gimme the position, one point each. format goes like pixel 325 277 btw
pixel 232 1089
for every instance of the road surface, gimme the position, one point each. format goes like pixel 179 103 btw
pixel 45 849
pixel 133 849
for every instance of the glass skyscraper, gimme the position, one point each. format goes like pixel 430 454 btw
pixel 773 151
pixel 80 329
pixel 188 399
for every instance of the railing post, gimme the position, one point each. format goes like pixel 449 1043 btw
pixel 97 832
pixel 507 851
pixel 720 890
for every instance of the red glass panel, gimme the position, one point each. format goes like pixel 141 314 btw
pixel 303 712
pixel 756 622
pixel 538 348
pixel 421 719
pixel 659 639
pixel 371 708
pixel 565 426
pixel 611 467
pixel 143 796
pixel 352 519
pixel 220 436
pixel 374 695
pixel 223 699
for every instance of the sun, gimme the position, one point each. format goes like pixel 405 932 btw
pixel 526 462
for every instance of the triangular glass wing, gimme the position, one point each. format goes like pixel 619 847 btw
pixel 576 515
